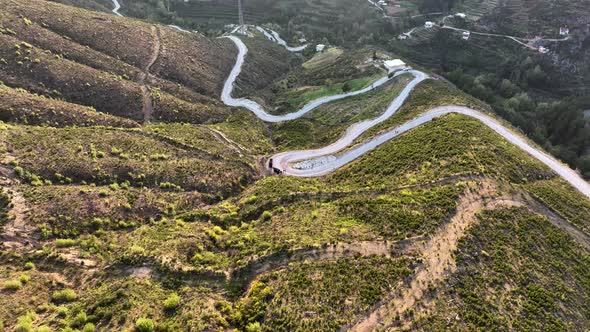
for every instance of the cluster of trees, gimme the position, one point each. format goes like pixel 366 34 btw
pixel 558 124
pixel 523 88
pixel 432 6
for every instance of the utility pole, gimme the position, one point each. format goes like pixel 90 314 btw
pixel 241 18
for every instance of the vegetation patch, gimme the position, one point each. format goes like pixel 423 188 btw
pixel 564 199
pixel 85 155
pixel 322 296
pixel 515 271
pixel 452 144
pixel 328 122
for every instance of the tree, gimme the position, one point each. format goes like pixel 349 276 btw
pixel 536 76
pixel 346 87
pixel 584 165
pixel 507 89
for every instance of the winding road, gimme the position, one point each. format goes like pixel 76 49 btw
pixel 176 27
pixel 117 7
pixel 274 36
pixel 318 162
pixel 526 42
pixel 259 110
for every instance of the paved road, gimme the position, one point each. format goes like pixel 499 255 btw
pixel 519 40
pixel 311 163
pixel 376 5
pixel 317 162
pixel 117 7
pixel 409 33
pixel 176 27
pixel 259 110
pixel 331 162
pixel 274 37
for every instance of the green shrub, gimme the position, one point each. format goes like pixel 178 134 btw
pixel 252 199
pixel 172 302
pixel 115 151
pixel 65 243
pixel 19 171
pixel 43 328
pixel 12 285
pixel 25 323
pixel 24 278
pixel 169 185
pixel 144 325
pixel 346 87
pixel 29 265
pixel 89 327
pixel 62 312
pixel 64 295
pixel 159 156
pixel 137 250
pixel 79 320
pixel 266 215
pixel 253 327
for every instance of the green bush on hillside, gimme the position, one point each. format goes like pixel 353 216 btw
pixel 64 295
pixel 172 302
pixel 144 325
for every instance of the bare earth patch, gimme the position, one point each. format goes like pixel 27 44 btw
pixel 438 255
pixel 16 234
pixel 438 260
pixel 146 94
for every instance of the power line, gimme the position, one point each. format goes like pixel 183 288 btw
pixel 241 16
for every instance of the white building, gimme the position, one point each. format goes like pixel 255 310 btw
pixel 402 37
pixel 382 3
pixel 428 24
pixel 320 47
pixel 543 50
pixel 461 15
pixel 466 35
pixel 564 31
pixel 393 65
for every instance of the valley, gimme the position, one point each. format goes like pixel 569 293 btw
pixel 157 178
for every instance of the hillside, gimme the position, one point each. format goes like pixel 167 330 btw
pixel 114 65
pixel 544 94
pixel 134 199
pixel 347 22
pixel 509 74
